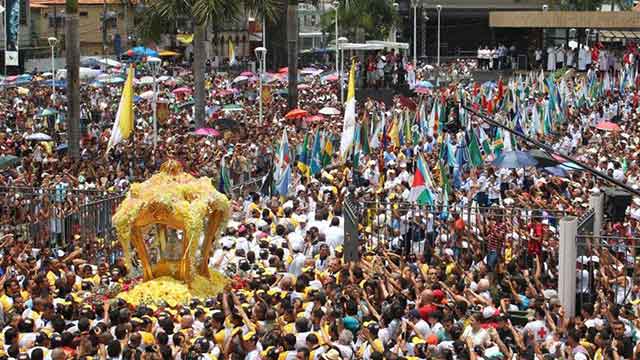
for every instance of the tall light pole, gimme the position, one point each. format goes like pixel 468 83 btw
pixel 396 6
pixel 336 5
pixel 341 41
pixel 414 4
pixel 439 8
pixel 154 65
pixel 52 42
pixel 261 53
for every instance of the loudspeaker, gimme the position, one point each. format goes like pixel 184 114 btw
pixel 615 203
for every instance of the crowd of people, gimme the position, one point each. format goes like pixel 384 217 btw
pixel 468 272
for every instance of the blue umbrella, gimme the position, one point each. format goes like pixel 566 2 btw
pixel 557 171
pixel 570 166
pixel 514 160
pixel 424 84
pixel 144 51
pixel 58 83
pixel 62 147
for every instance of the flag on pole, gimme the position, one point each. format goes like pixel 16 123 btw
pixel 474 150
pixel 316 156
pixel 282 174
pixel 421 187
pixel 224 184
pixel 303 161
pixel 123 126
pixel 349 125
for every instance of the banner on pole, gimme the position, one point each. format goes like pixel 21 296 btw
pixel 12 28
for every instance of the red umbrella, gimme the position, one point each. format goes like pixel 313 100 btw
pixel 283 70
pixel 422 90
pixel 405 101
pixel 608 126
pixel 314 118
pixel 182 90
pixel 332 78
pixel 296 114
pixel 207 132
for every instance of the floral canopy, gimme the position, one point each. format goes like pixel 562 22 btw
pixel 172 199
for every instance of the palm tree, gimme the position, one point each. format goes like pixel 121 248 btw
pixel 72 52
pixel 372 19
pixel 162 14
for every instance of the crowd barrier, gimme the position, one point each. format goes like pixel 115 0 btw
pixel 63 219
pixel 607 269
pixel 414 230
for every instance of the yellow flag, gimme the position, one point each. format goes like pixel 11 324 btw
pixel 394 133
pixel 123 126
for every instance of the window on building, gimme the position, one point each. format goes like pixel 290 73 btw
pixel 83 13
pixel 56 21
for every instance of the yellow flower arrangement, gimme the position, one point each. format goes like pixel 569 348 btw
pixel 177 199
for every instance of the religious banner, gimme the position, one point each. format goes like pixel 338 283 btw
pixel 12 26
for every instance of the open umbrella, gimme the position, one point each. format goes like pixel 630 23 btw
pixel 145 80
pixel 296 114
pixel 147 95
pixel 329 111
pixel 62 147
pixel 207 132
pixel 315 118
pixel 608 126
pixel 7 161
pixel 38 137
pixel 181 90
pixel 226 123
pixel 283 70
pixel 332 77
pixel 556 171
pixel 544 160
pixel 514 160
pixel 424 84
pixel 247 74
pixel 232 107
pixel 240 79
pixel 142 51
pixel 422 91
pixel 48 112
pixel 167 53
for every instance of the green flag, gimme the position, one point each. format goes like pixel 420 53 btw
pixel 474 150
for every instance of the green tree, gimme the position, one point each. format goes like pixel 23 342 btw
pixel 163 14
pixel 372 19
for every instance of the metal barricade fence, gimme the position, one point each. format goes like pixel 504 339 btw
pixel 428 230
pixel 607 270
pixel 55 222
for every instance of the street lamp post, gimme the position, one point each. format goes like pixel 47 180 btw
pixel 396 6
pixel 336 5
pixel 439 8
pixel 414 4
pixel 260 56
pixel 341 41
pixel 52 42
pixel 154 66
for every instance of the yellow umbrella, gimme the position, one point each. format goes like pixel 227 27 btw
pixel 23 91
pixel 168 53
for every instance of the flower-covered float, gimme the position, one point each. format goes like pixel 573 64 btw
pixel 172 220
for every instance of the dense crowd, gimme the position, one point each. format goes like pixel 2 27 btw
pixel 469 274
